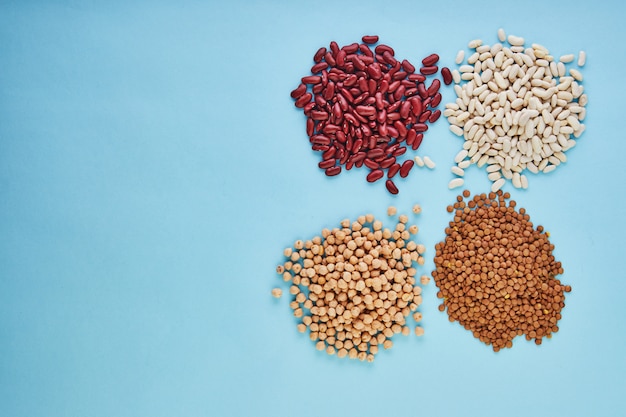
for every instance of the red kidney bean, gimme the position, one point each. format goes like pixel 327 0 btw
pixel 319 67
pixel 429 70
pixel 330 59
pixel 410 136
pixel 327 163
pixel 350 80
pixel 367 52
pixel 391 187
pixel 392 117
pixel 405 109
pixel 320 148
pixel 317 88
pixel 331 172
pixel 374 71
pixel 416 106
pixel 308 107
pixel 391 148
pixel 334 47
pixel 344 158
pixel 387 162
pixel 320 140
pixel 375 153
pixel 371 164
pixel 350 49
pixel 408 67
pixel 430 60
pixel 370 39
pixel 319 115
pixel 330 129
pixel 319 54
pixel 401 128
pixel 406 168
pixel 447 75
pixel 434 87
pixel 410 92
pixel 329 91
pixel 299 92
pixel 359 156
pixel 417 77
pixel 435 100
pixel 371 142
pixel 435 116
pixel 399 76
pixel 329 154
pixel 303 100
pixel 382 129
pixel 381 49
pixel 311 79
pixel 418 141
pixel 358 63
pixel 395 106
pixel 361 98
pixel 375 175
pixel 400 151
pixel 310 127
pixel 399 93
pixel 394 86
pixel 388 58
pixel 424 116
pixel 346 95
pixel 392 132
pixel 421 90
pixel 393 170
pixel 420 127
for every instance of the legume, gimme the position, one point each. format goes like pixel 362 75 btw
pixel 367 107
pixel 356 285
pixel 496 272
pixel 517 110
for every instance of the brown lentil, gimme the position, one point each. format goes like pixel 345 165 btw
pixel 496 272
pixel 355 286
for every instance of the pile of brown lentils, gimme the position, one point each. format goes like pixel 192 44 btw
pixel 496 273
pixel 354 286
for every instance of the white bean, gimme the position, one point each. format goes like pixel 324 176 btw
pixel 524 181
pixel 576 74
pixel 566 58
pixel 517 181
pixel 582 58
pixel 456 130
pixel 460 156
pixel 501 35
pixel 473 44
pixel 515 40
pixel 428 162
pixel 497 185
pixel 464 164
pixel 549 168
pixel 418 161
pixel 455 183
pixel 459 57
pixel 457 171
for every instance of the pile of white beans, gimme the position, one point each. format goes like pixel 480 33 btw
pixel 518 108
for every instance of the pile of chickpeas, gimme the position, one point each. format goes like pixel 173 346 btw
pixel 355 286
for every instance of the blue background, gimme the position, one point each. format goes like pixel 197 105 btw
pixel 153 168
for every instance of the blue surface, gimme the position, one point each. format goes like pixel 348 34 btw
pixel 153 167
